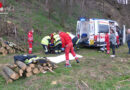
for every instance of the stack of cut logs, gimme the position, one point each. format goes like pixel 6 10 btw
pixel 13 72
pixel 9 48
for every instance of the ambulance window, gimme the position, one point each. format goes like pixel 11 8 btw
pixel 103 28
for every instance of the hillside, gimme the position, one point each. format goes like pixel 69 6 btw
pixel 47 16
pixel 96 70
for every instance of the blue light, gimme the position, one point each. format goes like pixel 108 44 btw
pixel 82 19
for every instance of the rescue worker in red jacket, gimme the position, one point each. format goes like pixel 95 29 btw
pixel 117 39
pixel 30 40
pixel 107 43
pixel 68 45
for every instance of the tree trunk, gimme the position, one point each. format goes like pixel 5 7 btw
pixel 29 74
pixel 6 77
pixel 12 66
pixel 44 64
pixel 40 68
pixel 3 51
pixel 28 69
pixel 21 65
pixel 36 71
pixel 32 65
pixel 19 71
pixel 10 73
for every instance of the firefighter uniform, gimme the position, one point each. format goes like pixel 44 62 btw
pixel 75 40
pixel 30 41
pixel 57 43
pixel 45 43
pixel 33 60
pixel 107 43
pixel 68 45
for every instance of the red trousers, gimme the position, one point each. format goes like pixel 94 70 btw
pixel 117 39
pixel 108 48
pixel 30 47
pixel 69 48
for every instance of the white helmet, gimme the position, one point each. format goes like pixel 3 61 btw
pixel 116 24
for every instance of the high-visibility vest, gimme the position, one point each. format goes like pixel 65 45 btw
pixel 45 40
pixel 29 61
pixel 57 39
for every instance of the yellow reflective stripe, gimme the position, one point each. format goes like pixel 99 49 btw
pixel 45 40
pixel 56 50
pixel 32 59
pixel 57 43
pixel 77 41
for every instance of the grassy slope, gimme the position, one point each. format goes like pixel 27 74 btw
pixel 96 69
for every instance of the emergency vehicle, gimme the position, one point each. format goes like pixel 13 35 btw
pixel 92 31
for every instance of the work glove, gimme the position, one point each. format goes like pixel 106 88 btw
pixel 62 49
pixel 51 44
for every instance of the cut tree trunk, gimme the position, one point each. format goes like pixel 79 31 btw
pixel 19 71
pixel 32 65
pixel 28 69
pixel 13 75
pixel 3 51
pixel 29 74
pixel 12 66
pixel 44 64
pixel 48 64
pixel 50 70
pixel 6 77
pixel 40 68
pixel 36 71
pixel 21 65
pixel 45 68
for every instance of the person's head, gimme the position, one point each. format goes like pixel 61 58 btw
pixel 128 31
pixel 32 30
pixel 111 31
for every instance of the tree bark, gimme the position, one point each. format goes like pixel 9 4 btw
pixel 36 71
pixel 21 65
pixel 6 77
pixel 12 66
pixel 28 69
pixel 32 65
pixel 29 74
pixel 40 68
pixel 13 75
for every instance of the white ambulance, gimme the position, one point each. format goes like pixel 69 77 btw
pixel 92 31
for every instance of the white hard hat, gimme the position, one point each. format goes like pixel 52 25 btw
pixel 116 24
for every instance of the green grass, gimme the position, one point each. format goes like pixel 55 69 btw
pixel 97 69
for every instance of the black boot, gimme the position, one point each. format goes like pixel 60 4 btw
pixel 77 61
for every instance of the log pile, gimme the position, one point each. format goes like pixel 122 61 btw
pixel 12 72
pixel 7 47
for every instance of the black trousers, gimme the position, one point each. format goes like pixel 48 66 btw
pixel 113 48
pixel 128 43
pixel 45 47
pixel 58 48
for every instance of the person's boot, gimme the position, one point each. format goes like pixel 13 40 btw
pixel 129 51
pixel 77 61
pixel 68 65
pixel 112 56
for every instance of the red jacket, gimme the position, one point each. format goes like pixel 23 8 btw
pixel 117 40
pixel 30 36
pixel 107 41
pixel 65 39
